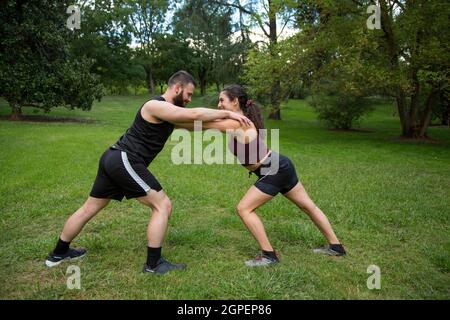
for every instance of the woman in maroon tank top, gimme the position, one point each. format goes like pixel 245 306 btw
pixel 284 181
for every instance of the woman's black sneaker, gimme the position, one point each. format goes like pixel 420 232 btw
pixel 331 250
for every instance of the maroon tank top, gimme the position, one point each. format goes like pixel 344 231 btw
pixel 249 153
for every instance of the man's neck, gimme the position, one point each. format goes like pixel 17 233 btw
pixel 168 97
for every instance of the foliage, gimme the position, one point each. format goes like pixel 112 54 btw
pixel 406 59
pixel 105 41
pixel 207 27
pixel 340 111
pixel 36 66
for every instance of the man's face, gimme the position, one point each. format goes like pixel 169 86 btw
pixel 184 95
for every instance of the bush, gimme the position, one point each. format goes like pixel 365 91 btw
pixel 340 111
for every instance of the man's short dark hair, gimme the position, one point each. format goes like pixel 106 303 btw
pixel 182 77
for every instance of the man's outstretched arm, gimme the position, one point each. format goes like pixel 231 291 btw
pixel 168 112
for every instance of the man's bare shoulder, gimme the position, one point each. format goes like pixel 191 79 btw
pixel 150 109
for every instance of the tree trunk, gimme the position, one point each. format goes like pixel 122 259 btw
pixel 202 86
pixel 426 118
pixel 16 112
pixel 414 107
pixel 445 115
pixel 202 78
pixel 386 25
pixel 275 99
pixel 445 118
pixel 275 112
pixel 149 80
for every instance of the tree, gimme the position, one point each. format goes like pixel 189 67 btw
pixel 207 27
pixel 267 22
pixel 36 66
pixel 103 39
pixel 173 54
pixel 406 59
pixel 266 68
pixel 416 49
pixel 335 58
pixel 145 21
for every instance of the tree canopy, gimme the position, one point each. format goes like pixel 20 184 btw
pixel 37 67
pixel 340 53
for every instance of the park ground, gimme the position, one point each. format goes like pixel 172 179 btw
pixel 388 200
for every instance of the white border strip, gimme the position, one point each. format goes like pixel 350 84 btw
pixel 133 173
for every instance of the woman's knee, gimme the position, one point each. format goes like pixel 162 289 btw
pixel 306 205
pixel 242 210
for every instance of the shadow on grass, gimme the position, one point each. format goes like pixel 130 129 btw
pixel 41 118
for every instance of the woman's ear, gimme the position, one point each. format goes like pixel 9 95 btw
pixel 236 102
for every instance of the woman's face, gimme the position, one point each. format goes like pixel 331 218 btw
pixel 226 104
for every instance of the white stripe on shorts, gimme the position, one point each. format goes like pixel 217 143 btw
pixel 133 173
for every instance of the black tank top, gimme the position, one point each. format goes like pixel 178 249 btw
pixel 144 140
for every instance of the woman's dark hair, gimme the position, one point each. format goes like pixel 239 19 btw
pixel 250 109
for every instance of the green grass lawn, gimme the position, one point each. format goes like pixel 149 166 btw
pixel 388 201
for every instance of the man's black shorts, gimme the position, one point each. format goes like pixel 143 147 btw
pixel 118 177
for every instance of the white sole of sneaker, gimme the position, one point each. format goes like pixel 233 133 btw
pixel 51 264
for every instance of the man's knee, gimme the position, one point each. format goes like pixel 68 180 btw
pixel 163 205
pixel 167 206
pixel 157 200
pixel 90 208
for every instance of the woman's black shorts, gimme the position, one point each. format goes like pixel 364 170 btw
pixel 119 176
pixel 276 176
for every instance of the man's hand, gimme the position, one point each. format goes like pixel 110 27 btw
pixel 243 120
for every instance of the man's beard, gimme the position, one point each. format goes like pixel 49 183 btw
pixel 178 100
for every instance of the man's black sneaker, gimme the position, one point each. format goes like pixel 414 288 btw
pixel 163 266
pixel 55 259
pixel 330 251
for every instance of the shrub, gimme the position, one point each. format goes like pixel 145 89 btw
pixel 340 111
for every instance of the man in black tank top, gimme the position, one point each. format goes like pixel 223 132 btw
pixel 123 172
